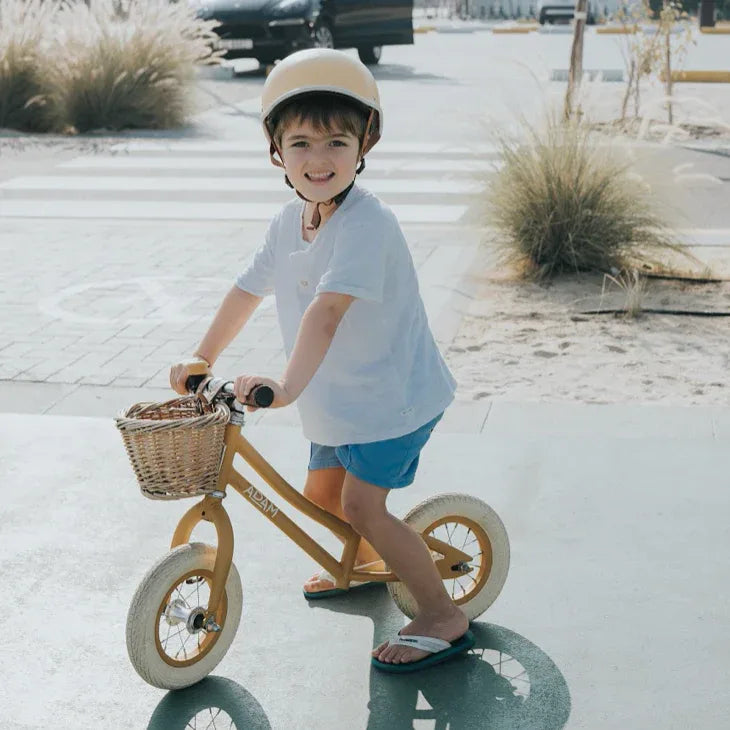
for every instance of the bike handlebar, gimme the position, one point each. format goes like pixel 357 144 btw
pixel 260 396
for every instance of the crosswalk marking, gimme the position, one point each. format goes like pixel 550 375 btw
pixel 234 180
pixel 273 184
pixel 704 236
pixel 174 210
pixel 259 148
pixel 143 162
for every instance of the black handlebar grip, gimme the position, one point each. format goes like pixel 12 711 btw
pixel 192 383
pixel 262 396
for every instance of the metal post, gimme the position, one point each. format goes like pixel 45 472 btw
pixel 575 74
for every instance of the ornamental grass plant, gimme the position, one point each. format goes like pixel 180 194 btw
pixel 80 65
pixel 565 201
pixel 25 99
pixel 128 63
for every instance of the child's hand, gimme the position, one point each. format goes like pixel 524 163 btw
pixel 245 383
pixel 181 371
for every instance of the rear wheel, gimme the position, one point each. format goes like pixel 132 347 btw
pixel 471 525
pixel 370 55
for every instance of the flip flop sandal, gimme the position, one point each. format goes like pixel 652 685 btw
pixel 332 592
pixel 440 651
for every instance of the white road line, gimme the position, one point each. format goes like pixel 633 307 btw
pixel 174 210
pixel 119 162
pixel 259 148
pixel 704 236
pixel 225 184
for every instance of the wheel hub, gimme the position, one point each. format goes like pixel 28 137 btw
pixel 178 612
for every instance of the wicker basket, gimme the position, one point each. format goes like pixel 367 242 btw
pixel 175 447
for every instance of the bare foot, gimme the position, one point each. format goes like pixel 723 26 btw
pixel 448 626
pixel 316 584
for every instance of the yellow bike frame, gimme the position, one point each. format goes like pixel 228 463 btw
pixel 211 509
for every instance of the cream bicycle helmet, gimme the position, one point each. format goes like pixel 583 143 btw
pixel 322 70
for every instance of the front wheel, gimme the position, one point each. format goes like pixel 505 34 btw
pixel 472 526
pixel 370 56
pixel 167 642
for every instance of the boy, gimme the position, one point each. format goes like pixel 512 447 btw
pixel 363 367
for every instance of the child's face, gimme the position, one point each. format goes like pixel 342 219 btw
pixel 319 164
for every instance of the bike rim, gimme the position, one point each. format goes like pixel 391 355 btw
pixel 470 537
pixel 173 641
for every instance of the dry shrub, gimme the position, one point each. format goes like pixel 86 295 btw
pixel 564 202
pixel 128 63
pixel 634 288
pixel 25 99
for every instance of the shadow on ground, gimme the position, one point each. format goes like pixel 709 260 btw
pixel 213 703
pixel 402 72
pixel 504 683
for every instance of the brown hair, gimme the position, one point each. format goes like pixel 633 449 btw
pixel 326 112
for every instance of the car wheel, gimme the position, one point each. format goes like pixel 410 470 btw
pixel 370 55
pixel 322 36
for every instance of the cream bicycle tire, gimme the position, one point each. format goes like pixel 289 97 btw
pixel 475 515
pixel 143 619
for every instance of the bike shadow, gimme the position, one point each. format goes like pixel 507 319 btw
pixel 215 702
pixel 505 682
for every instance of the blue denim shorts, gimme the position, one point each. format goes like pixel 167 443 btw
pixel 391 464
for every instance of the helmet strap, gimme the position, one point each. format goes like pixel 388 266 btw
pixel 317 216
pixel 274 149
pixel 366 136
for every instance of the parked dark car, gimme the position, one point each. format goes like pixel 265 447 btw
pixel 271 29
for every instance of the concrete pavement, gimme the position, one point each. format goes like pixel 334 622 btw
pixel 613 614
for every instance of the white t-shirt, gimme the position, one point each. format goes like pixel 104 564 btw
pixel 383 375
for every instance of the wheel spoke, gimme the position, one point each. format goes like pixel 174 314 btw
pixel 450 534
pixel 167 638
pixel 182 645
pixel 463 590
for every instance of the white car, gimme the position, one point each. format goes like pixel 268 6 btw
pixel 548 11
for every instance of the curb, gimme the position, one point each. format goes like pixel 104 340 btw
pixel 616 30
pixel 721 29
pixel 516 29
pixel 709 77
pixel 596 74
pixel 424 29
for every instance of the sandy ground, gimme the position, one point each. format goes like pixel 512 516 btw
pixel 532 342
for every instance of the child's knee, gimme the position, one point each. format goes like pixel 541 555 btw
pixel 360 513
